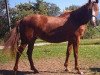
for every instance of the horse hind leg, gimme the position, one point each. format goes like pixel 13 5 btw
pixel 20 50
pixel 29 53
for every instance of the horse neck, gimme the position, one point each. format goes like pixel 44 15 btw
pixel 80 16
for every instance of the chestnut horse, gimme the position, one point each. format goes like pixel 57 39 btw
pixel 66 27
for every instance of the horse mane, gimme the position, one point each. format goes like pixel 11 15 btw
pixel 82 7
pixel 66 12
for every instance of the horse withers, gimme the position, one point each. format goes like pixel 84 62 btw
pixel 67 27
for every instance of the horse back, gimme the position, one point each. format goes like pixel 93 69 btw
pixel 43 23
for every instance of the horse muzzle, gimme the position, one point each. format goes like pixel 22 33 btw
pixel 94 21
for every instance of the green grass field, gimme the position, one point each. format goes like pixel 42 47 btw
pixel 89 49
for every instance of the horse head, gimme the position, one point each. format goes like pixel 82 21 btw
pixel 86 13
pixel 93 7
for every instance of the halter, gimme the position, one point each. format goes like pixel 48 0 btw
pixel 94 17
pixel 96 22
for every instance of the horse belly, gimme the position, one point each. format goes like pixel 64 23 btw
pixel 55 37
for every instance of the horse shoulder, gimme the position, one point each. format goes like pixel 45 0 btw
pixel 80 31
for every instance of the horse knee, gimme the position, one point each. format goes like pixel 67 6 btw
pixel 21 48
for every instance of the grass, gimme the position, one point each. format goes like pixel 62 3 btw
pixel 49 51
pixel 89 49
pixel 90 42
pixel 4 58
pixel 90 52
pixel 39 40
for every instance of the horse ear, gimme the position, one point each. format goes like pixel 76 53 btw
pixel 89 1
pixel 96 1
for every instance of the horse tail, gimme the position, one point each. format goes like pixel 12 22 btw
pixel 12 42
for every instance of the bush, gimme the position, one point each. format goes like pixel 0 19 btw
pixel 91 32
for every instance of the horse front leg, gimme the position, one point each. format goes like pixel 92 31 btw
pixel 75 48
pixel 69 48
pixel 29 53
pixel 20 50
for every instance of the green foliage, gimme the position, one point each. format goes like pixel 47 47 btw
pixel 53 9
pixel 73 7
pixel 3 26
pixel 20 11
pixel 89 32
pixel 2 5
pixel 92 32
pixel 25 6
pixel 40 7
pixel 98 22
pixel 3 19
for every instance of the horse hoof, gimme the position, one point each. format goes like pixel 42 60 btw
pixel 67 70
pixel 81 73
pixel 15 69
pixel 36 71
pixel 77 68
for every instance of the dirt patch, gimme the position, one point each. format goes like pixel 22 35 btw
pixel 51 66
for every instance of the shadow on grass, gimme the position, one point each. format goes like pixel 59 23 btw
pixel 95 69
pixel 63 72
pixel 11 72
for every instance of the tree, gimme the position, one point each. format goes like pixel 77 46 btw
pixel 53 9
pixel 40 7
pixel 3 19
pixel 73 7
pixel 90 32
pixel 2 6
pixel 20 11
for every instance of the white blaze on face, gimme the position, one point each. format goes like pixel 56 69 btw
pixel 93 0
pixel 93 16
